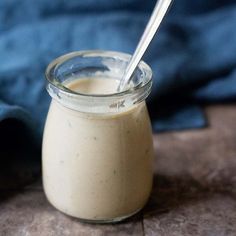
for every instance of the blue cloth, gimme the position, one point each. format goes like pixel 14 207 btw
pixel 193 57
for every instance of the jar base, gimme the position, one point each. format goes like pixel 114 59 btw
pixel 99 221
pixel 106 221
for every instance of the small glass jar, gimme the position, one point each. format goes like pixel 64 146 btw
pixel 97 149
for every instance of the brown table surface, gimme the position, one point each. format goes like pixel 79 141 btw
pixel 194 189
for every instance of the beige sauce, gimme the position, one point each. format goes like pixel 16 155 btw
pixel 97 167
pixel 93 86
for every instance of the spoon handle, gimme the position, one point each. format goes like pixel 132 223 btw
pixel 154 22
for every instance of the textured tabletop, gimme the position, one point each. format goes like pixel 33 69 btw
pixel 194 189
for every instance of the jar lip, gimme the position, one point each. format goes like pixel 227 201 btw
pixel 94 53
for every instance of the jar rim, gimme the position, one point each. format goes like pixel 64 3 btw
pixel 144 67
pixel 97 103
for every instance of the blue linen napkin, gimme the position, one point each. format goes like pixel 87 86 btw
pixel 193 57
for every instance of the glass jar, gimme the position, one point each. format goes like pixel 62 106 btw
pixel 97 149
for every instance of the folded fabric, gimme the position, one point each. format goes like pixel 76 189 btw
pixel 193 57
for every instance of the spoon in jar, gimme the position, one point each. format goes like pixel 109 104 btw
pixel 153 24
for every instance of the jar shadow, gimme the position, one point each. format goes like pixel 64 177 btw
pixel 20 160
pixel 171 192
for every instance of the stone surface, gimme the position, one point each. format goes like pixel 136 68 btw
pixel 206 215
pixel 195 180
pixel 194 190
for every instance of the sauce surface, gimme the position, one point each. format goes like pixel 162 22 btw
pixel 94 86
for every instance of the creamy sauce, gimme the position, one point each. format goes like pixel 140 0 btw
pixel 94 86
pixel 97 167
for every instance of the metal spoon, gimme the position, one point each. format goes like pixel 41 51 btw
pixel 153 24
